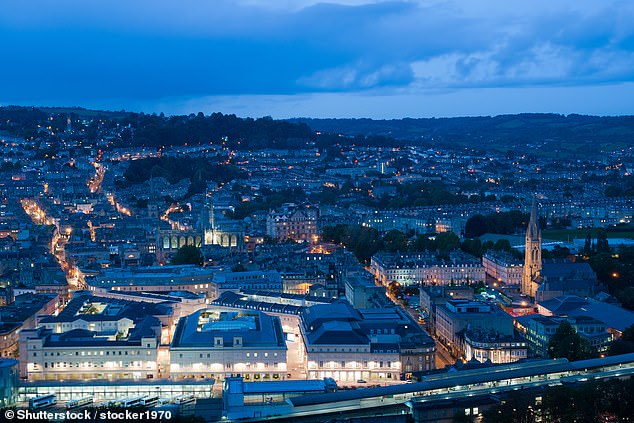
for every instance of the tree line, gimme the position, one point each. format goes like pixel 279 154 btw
pixel 592 401
pixel 198 170
pixel 365 241
pixel 240 133
pixel 498 223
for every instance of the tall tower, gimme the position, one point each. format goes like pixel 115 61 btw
pixel 209 221
pixel 533 254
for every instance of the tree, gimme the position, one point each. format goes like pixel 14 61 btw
pixel 395 290
pixel 362 240
pixel 367 243
pixel 502 245
pixel 613 191
pixel 602 242
pixel 239 268
pixel 472 246
pixel 625 344
pixel 567 343
pixel 626 297
pixel 446 241
pixel 395 240
pixel 475 226
pixel 422 243
pixel 514 408
pixel 587 246
pixel 560 252
pixel 188 254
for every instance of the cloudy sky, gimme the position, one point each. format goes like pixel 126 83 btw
pixel 344 58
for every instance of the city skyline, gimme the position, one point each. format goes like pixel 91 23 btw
pixel 341 59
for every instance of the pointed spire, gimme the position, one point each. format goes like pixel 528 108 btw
pixel 533 224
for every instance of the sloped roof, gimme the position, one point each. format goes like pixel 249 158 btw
pixel 335 332
pixel 567 270
pixel 570 305
pixel 564 304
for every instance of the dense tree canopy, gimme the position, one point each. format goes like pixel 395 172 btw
pixel 363 241
pixel 588 402
pixel 498 223
pixel 235 132
pixel 188 254
pixel 625 344
pixel 567 343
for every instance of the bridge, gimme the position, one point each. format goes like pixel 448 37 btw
pixel 447 386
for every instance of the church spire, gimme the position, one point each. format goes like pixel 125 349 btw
pixel 533 224
pixel 533 254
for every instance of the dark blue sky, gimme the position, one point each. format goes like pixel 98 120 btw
pixel 290 58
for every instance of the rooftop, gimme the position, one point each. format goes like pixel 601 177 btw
pixel 202 328
pixel 614 316
pixel 96 308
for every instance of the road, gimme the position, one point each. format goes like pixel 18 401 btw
pixel 294 360
pixel 443 357
pixel 94 183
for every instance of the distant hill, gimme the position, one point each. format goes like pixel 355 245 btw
pixel 563 134
pixel 151 130
pixel 546 135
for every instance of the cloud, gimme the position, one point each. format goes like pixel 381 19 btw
pixel 147 50
pixel 608 99
pixel 358 77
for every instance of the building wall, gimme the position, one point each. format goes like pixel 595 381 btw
pixel 120 326
pixel 349 363
pixel 436 274
pixel 417 360
pixel 508 273
pixel 84 362
pixel 9 379
pixel 497 352
pixel 298 225
pixel 10 340
pixel 449 323
pixel 254 364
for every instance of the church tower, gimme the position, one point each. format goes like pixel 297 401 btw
pixel 533 254
pixel 209 221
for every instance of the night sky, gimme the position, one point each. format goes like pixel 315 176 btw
pixel 291 58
